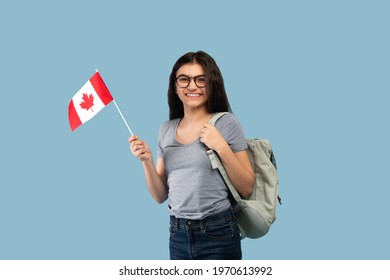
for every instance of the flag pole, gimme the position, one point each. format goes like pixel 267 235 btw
pixel 120 113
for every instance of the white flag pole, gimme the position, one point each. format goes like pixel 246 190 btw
pixel 120 113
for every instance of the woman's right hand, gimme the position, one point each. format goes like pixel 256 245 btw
pixel 140 148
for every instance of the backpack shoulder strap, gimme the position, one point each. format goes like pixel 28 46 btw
pixel 216 117
pixel 217 164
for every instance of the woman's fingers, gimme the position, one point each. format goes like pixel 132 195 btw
pixel 139 148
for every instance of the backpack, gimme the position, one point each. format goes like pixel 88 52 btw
pixel 256 213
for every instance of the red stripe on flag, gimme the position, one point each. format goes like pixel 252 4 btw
pixel 73 117
pixel 101 88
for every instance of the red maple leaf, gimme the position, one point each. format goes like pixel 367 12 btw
pixel 87 102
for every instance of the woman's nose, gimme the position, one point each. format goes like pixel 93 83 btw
pixel 192 84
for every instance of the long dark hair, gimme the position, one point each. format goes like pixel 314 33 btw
pixel 217 101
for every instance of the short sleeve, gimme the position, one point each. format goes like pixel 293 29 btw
pixel 160 150
pixel 231 130
pixel 166 135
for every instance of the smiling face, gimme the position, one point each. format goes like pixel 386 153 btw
pixel 194 95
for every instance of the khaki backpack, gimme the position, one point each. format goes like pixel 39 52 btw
pixel 256 213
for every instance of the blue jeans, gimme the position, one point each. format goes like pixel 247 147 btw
pixel 216 237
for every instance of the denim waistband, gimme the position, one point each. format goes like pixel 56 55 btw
pixel 222 217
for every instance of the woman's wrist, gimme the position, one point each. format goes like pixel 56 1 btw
pixel 223 148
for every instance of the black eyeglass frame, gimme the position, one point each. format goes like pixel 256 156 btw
pixel 192 78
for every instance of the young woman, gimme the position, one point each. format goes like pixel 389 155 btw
pixel 202 224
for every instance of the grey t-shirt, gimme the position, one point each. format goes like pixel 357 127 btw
pixel 195 189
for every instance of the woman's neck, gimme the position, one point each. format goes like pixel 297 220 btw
pixel 196 116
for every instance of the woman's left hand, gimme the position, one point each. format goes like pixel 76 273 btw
pixel 212 138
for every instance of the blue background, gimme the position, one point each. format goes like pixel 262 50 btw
pixel 312 76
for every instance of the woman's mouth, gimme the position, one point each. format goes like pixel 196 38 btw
pixel 193 94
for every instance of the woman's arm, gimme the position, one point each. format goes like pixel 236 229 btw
pixel 237 165
pixel 239 170
pixel 155 176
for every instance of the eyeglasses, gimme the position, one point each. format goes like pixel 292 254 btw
pixel 184 81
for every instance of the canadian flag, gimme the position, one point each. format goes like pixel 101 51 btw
pixel 88 101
